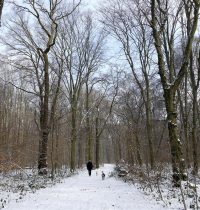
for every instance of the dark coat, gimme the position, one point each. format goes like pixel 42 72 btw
pixel 89 165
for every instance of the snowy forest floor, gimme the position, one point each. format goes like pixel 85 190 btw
pixel 81 192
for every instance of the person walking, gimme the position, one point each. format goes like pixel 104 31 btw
pixel 89 167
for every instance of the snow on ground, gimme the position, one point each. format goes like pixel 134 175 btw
pixel 81 192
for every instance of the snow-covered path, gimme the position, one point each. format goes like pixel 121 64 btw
pixel 82 192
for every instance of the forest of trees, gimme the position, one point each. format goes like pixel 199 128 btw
pixel 120 82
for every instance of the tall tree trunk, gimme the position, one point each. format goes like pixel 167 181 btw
pixel 170 87
pixel 194 116
pixel 42 162
pixel 138 150
pixel 149 132
pixel 147 100
pixel 175 143
pixel 57 148
pixel 89 139
pixel 73 137
pixel 185 122
pixel 183 113
pixel 80 155
pixel 52 152
pixel 97 137
pixel 194 133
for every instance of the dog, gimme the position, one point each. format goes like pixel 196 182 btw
pixel 103 175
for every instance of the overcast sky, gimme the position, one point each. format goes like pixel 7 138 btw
pixel 93 4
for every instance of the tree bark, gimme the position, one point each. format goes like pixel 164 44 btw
pixel 149 132
pixel 195 86
pixel 183 113
pixel 89 139
pixel 73 136
pixel 170 88
pixel 42 161
pixel 138 150
pixel 97 137
pixel 175 143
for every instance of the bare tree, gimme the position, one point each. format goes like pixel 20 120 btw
pixel 110 84
pixel 93 60
pixel 129 109
pixel 82 57
pixel 37 53
pixel 195 80
pixel 129 27
pixel 164 23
